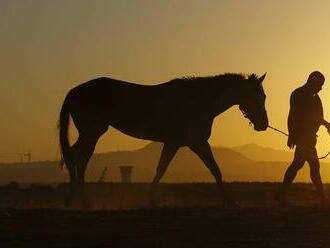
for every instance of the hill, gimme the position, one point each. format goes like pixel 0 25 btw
pixel 185 167
pixel 259 153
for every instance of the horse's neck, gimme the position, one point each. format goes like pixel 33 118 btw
pixel 228 97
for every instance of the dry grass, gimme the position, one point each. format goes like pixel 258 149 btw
pixel 116 196
pixel 188 215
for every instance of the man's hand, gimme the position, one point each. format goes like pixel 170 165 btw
pixel 327 125
pixel 291 142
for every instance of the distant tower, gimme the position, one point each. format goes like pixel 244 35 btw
pixel 126 173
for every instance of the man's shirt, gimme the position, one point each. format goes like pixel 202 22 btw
pixel 306 114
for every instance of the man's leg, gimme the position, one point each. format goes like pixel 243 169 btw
pixel 314 165
pixel 290 174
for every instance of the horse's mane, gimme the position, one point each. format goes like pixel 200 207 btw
pixel 221 77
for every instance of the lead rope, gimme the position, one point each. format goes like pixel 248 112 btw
pixel 277 130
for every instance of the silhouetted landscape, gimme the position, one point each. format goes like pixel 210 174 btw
pixel 109 109
pixel 185 167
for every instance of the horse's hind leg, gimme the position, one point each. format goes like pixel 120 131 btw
pixel 167 155
pixel 73 181
pixel 203 150
pixel 82 151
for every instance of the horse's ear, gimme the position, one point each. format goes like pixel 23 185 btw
pixel 262 78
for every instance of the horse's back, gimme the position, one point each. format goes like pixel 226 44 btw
pixel 102 91
pixel 104 86
pixel 110 99
pixel 158 112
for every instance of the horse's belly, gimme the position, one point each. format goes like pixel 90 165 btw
pixel 140 120
pixel 160 123
pixel 176 132
pixel 140 131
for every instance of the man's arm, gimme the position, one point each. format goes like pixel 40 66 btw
pixel 323 122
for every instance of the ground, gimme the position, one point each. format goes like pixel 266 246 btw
pixel 187 215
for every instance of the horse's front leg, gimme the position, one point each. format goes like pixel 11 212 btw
pixel 203 151
pixel 167 155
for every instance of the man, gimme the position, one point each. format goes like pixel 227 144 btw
pixel 305 118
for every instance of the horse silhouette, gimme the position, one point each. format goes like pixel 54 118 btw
pixel 177 113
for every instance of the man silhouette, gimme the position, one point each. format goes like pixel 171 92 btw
pixel 305 118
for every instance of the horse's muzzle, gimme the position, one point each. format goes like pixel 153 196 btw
pixel 260 128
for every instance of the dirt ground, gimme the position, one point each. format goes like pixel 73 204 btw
pixel 187 215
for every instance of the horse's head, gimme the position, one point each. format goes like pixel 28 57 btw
pixel 253 103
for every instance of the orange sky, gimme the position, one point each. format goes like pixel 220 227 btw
pixel 48 47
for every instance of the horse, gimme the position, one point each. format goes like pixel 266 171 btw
pixel 177 113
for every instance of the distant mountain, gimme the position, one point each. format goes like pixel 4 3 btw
pixel 185 167
pixel 259 153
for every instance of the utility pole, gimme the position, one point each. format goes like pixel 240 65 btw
pixel 22 155
pixel 28 156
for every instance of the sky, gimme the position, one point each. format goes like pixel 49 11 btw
pixel 49 47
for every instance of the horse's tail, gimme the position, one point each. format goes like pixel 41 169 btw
pixel 63 126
